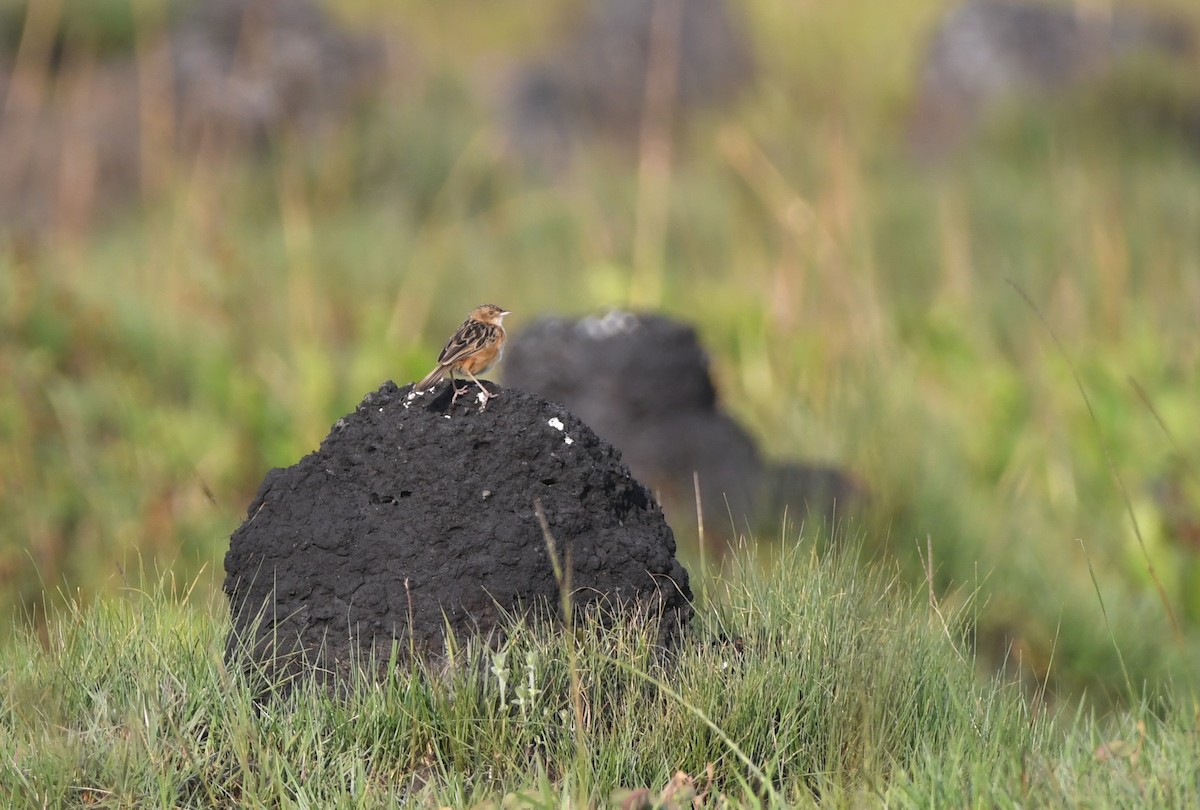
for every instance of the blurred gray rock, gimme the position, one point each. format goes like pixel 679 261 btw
pixel 252 69
pixel 595 82
pixel 642 382
pixel 228 75
pixel 986 52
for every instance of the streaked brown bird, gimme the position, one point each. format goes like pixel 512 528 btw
pixel 473 349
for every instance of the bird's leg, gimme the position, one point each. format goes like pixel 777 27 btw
pixel 487 395
pixel 458 392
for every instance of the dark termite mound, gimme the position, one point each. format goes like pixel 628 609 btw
pixel 417 516
pixel 642 380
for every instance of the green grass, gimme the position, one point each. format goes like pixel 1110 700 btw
pixel 845 687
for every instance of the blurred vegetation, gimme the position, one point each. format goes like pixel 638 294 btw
pixel 858 310
pixel 102 27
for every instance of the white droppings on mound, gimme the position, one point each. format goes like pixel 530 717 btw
pixel 557 424
pixel 612 323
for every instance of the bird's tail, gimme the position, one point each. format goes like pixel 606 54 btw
pixel 429 379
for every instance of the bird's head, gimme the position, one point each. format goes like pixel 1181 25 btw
pixel 490 313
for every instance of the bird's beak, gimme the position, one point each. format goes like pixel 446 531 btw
pixel 504 312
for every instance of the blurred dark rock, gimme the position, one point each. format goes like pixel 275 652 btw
pixel 642 381
pixel 417 516
pixel 987 52
pixel 76 134
pixel 595 82
pixel 252 69
pixel 805 491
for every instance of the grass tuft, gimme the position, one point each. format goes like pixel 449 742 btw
pixel 811 681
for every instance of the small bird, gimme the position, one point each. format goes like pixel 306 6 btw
pixel 473 349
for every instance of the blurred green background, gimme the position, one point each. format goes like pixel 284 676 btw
pixel 161 352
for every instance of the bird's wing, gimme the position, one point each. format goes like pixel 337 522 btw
pixel 470 337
